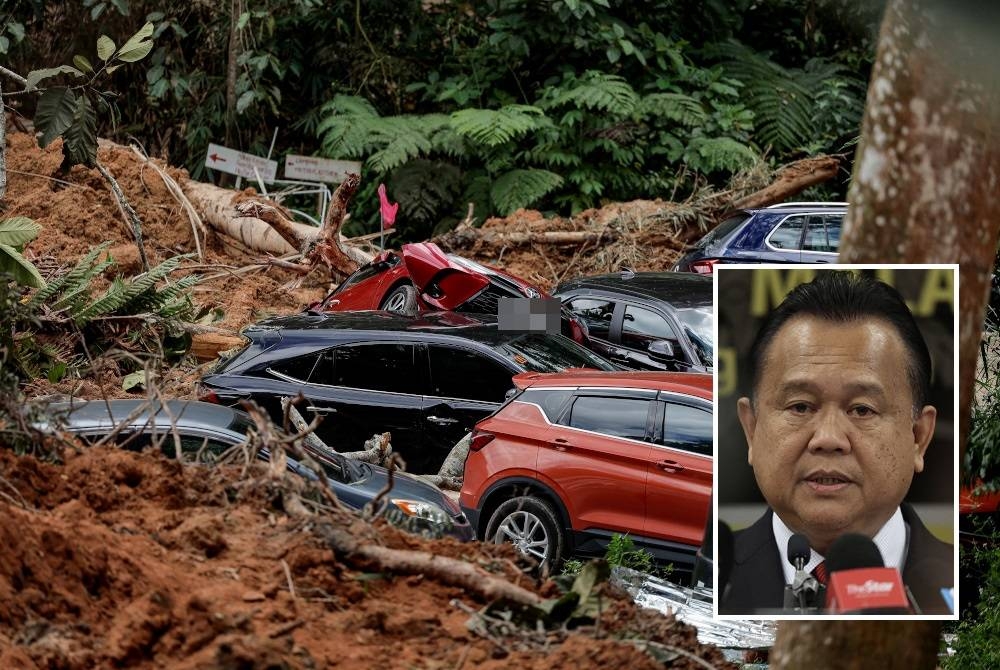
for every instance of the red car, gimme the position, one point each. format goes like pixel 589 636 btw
pixel 424 278
pixel 576 457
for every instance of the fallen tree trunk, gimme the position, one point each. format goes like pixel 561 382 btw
pixel 792 180
pixel 217 207
pixel 551 237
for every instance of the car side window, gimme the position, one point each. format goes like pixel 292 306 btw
pixel 687 428
pixel 376 367
pixel 302 368
pixel 788 234
pixel 642 326
pixel 552 401
pixel 823 233
pixel 620 417
pixel 458 373
pixel 595 313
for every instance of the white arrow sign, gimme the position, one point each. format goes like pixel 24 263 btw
pixel 310 168
pixel 236 162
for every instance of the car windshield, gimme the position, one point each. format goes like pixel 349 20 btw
pixel 697 323
pixel 542 352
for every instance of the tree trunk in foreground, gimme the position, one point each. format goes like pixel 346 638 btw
pixel 924 191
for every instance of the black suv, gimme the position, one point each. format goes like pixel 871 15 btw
pixel 646 320
pixel 427 379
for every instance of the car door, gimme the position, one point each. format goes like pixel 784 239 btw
pixel 363 389
pixel 464 386
pixel 822 238
pixel 784 243
pixel 640 327
pixel 597 459
pixel 597 313
pixel 679 487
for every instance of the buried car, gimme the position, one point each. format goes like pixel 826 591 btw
pixel 426 379
pixel 577 457
pixel 422 278
pixel 646 320
pixel 206 431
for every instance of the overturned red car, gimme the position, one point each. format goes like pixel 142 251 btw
pixel 421 277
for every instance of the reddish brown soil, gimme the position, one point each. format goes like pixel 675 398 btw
pixel 78 211
pixel 117 559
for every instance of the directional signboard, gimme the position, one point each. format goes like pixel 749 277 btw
pixel 310 168
pixel 236 162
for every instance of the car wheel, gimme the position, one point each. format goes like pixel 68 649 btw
pixel 402 299
pixel 532 526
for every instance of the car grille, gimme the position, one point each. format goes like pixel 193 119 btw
pixel 486 302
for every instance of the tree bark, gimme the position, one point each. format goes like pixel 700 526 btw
pixel 923 191
pixel 855 645
pixel 218 208
pixel 792 180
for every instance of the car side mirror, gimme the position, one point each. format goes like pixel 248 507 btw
pixel 661 350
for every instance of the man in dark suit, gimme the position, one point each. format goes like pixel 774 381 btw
pixel 837 424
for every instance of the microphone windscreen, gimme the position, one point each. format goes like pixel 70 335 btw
pixel 852 551
pixel 798 547
pixel 725 546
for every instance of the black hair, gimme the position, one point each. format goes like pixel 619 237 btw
pixel 843 297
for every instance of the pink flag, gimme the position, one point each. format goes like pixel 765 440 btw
pixel 388 209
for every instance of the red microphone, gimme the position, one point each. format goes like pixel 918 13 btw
pixel 859 581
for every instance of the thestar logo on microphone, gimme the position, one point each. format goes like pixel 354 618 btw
pixel 870 587
pixel 863 589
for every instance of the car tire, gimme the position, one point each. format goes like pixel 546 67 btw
pixel 532 525
pixel 402 300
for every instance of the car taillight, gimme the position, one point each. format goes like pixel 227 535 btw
pixel 704 267
pixel 206 394
pixel 480 439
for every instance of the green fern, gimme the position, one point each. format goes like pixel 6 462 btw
pixel 494 127
pixel 426 190
pixel 599 91
pixel 522 188
pixel 677 107
pixel 709 154
pixel 784 100
pixel 75 285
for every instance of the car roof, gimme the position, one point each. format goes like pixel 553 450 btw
pixel 680 289
pixel 690 383
pixel 83 415
pixel 379 320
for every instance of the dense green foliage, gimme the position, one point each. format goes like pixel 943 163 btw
pixel 560 104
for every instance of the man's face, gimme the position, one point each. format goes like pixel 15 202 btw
pixel 833 439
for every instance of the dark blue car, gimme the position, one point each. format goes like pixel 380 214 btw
pixel 793 232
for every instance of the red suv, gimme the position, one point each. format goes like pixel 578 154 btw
pixel 576 457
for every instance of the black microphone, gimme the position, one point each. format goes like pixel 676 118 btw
pixel 804 586
pixel 859 581
pixel 724 542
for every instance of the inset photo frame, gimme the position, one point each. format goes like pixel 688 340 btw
pixel 836 449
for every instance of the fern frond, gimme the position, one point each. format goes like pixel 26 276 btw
pixel 677 107
pixel 600 91
pixel 522 188
pixel 719 153
pixel 494 127
pixel 82 272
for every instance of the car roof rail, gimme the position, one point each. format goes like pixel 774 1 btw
pixel 806 204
